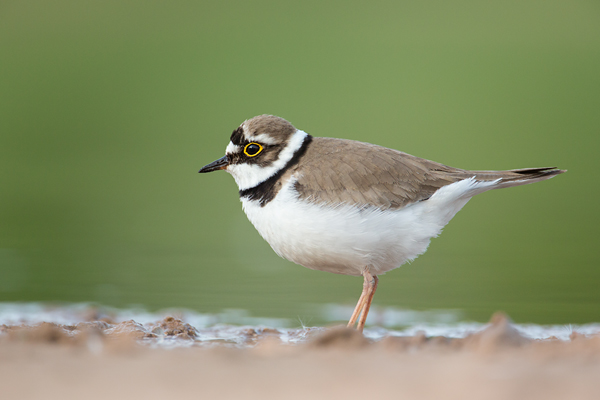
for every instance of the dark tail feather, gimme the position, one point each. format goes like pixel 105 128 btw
pixel 515 177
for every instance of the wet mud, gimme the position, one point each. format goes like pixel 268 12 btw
pixel 169 358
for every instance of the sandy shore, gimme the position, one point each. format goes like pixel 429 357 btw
pixel 100 360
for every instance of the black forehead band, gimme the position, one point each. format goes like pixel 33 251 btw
pixel 237 137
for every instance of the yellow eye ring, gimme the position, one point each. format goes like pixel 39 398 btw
pixel 252 149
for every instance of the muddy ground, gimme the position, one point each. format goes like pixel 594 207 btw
pixel 102 359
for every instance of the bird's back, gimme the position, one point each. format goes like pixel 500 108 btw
pixel 363 174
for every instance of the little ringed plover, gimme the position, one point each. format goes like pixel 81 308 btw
pixel 348 207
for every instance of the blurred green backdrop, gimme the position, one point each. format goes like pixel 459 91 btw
pixel 109 108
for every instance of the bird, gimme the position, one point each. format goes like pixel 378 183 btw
pixel 345 206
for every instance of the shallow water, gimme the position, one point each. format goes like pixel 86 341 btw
pixel 236 328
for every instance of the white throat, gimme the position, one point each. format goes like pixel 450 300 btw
pixel 249 175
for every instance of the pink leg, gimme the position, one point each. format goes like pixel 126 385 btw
pixel 372 288
pixel 364 302
pixel 358 308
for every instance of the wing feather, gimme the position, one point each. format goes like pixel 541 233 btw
pixel 349 172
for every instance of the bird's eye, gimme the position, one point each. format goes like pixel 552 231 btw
pixel 252 149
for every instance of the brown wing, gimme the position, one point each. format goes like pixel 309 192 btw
pixel 345 171
pixel 350 172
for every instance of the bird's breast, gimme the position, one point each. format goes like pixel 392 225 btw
pixel 340 239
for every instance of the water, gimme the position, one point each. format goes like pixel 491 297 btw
pixel 237 328
pixel 106 121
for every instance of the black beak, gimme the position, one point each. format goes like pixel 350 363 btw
pixel 221 163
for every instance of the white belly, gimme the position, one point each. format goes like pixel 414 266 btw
pixel 345 239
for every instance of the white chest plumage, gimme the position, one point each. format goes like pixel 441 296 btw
pixel 345 239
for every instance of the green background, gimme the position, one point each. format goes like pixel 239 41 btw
pixel 109 108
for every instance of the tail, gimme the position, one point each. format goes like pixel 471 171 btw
pixel 513 177
pixel 449 199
